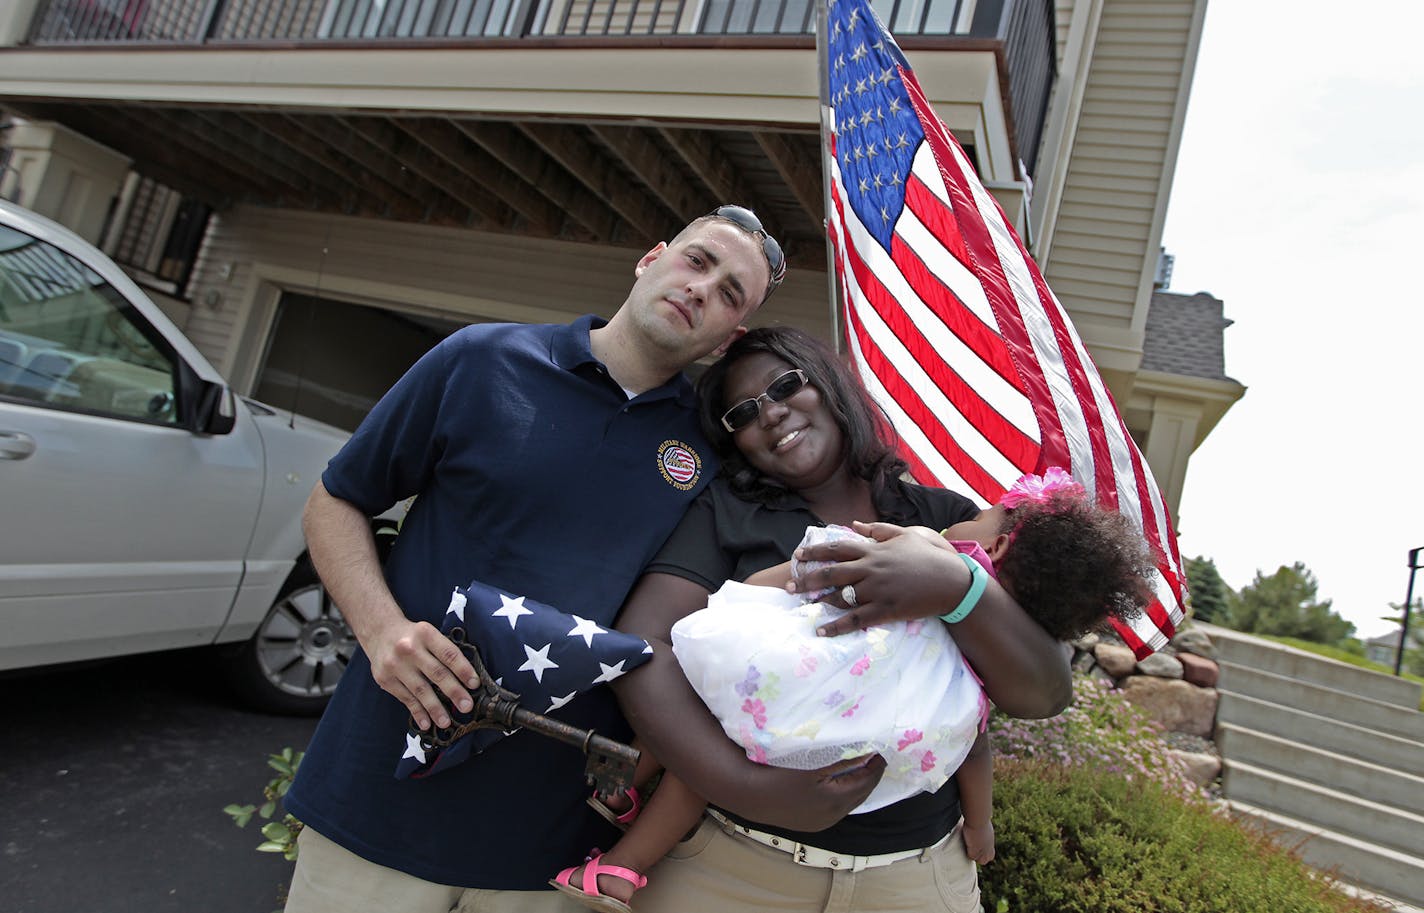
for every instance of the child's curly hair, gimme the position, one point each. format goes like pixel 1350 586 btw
pixel 1072 565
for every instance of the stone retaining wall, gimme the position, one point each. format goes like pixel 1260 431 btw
pixel 1176 687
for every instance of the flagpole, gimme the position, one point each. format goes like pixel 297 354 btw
pixel 823 67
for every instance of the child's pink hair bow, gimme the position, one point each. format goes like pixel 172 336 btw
pixel 1032 488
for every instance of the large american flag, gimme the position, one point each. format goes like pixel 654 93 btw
pixel 948 318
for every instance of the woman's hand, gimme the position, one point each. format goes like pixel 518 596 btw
pixel 899 577
pixel 896 577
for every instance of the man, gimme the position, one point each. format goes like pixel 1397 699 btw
pixel 547 461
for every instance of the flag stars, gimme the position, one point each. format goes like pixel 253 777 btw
pixel 511 609
pixel 884 216
pixel 413 748
pixel 894 106
pixel 864 186
pixel 866 118
pixel 859 53
pixel 556 702
pixel 457 605
pixel 614 671
pixel 854 19
pixel 537 661
pixel 585 629
pixel 871 152
pixel 862 87
pixel 887 77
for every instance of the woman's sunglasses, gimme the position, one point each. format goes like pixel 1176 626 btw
pixel 781 388
pixel 747 221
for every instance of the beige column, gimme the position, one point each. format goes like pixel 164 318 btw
pixel 1170 441
pixel 15 19
pixel 63 175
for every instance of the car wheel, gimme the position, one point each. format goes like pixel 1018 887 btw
pixel 293 662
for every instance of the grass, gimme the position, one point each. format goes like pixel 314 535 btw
pixel 1344 656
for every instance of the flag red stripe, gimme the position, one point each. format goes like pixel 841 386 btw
pixel 1016 447
pixel 908 400
pixel 940 298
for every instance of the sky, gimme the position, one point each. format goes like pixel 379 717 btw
pixel 1298 200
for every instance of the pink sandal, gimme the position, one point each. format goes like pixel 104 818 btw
pixel 620 821
pixel 588 894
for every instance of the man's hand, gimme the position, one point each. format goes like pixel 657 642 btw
pixel 896 577
pixel 413 662
pixel 979 842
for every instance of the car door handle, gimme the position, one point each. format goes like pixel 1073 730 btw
pixel 15 445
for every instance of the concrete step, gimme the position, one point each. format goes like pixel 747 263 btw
pixel 1363 819
pixel 1327 702
pixel 1329 769
pixel 1332 735
pixel 1395 875
pixel 1268 656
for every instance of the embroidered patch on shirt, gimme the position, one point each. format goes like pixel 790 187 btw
pixel 680 465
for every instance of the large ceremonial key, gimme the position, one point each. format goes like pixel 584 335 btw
pixel 610 764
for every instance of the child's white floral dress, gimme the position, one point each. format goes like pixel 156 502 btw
pixel 793 699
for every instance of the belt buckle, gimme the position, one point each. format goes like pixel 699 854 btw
pixel 799 853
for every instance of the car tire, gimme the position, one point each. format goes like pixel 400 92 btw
pixel 292 663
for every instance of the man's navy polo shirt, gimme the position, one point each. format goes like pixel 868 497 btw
pixel 534 473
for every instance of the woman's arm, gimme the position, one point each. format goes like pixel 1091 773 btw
pixel 897 577
pixel 682 733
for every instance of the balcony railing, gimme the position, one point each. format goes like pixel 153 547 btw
pixel 1026 27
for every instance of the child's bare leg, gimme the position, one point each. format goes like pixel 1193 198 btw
pixel 673 811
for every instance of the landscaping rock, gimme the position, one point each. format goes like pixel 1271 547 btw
pixel 1160 665
pixel 1199 670
pixel 1193 640
pixel 1116 660
pixel 1082 662
pixel 1201 768
pixel 1177 705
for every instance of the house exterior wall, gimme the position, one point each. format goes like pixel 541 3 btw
pixel 252 255
pixel 1112 165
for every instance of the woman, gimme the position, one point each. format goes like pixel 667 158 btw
pixel 802 444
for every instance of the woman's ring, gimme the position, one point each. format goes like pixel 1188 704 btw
pixel 848 595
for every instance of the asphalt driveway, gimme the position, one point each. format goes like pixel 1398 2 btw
pixel 112 783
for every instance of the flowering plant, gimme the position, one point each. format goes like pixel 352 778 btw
pixel 1100 729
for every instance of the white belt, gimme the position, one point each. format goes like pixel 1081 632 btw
pixel 816 857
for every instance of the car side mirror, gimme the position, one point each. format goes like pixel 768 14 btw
pixel 217 409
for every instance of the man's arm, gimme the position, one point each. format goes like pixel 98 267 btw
pixel 975 779
pixel 898 577
pixel 409 659
pixel 682 733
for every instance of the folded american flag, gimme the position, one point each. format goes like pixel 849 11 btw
pixel 545 656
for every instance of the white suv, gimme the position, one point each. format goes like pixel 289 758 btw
pixel 142 505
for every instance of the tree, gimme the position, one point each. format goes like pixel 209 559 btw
pixel 1414 640
pixel 1284 605
pixel 1209 593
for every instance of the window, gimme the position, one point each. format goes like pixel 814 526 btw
pixel 70 340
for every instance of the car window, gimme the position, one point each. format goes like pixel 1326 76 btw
pixel 70 340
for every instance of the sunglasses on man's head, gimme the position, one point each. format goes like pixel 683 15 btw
pixel 781 388
pixel 747 221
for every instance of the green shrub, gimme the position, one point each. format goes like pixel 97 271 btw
pixel 1083 840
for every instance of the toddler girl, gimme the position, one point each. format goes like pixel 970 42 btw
pixel 900 690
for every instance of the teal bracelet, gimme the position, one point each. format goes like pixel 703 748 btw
pixel 978 580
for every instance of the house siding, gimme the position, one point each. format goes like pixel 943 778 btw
pixel 1119 168
pixel 252 255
